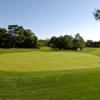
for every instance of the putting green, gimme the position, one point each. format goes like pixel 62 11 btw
pixel 45 61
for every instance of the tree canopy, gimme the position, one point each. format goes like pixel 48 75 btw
pixel 67 42
pixel 17 36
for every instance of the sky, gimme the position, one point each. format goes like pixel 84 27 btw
pixel 47 18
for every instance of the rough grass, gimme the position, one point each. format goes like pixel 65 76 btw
pixel 61 84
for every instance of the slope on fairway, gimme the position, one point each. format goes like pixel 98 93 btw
pixel 45 61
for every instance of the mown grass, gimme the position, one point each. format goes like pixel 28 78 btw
pixel 41 60
pixel 56 85
pixel 20 50
pixel 63 84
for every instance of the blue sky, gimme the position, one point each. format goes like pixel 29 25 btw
pixel 47 18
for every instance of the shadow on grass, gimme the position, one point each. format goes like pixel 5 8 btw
pixel 43 73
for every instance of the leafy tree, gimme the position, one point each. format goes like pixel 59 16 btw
pixel 20 39
pixel 78 42
pixel 41 42
pixel 97 14
pixel 2 30
pixel 62 42
pixel 3 37
pixel 99 44
pixel 68 42
pixel 53 42
pixel 13 29
pixel 46 42
pixel 95 44
pixel 23 38
pixel 59 43
pixel 31 39
pixel 89 43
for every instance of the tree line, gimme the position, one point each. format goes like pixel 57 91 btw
pixel 18 37
pixel 91 43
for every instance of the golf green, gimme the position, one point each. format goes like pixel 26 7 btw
pixel 47 61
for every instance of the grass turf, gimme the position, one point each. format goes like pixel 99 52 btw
pixel 74 84
pixel 47 61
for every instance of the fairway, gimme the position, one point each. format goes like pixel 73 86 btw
pixel 47 61
pixel 44 74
